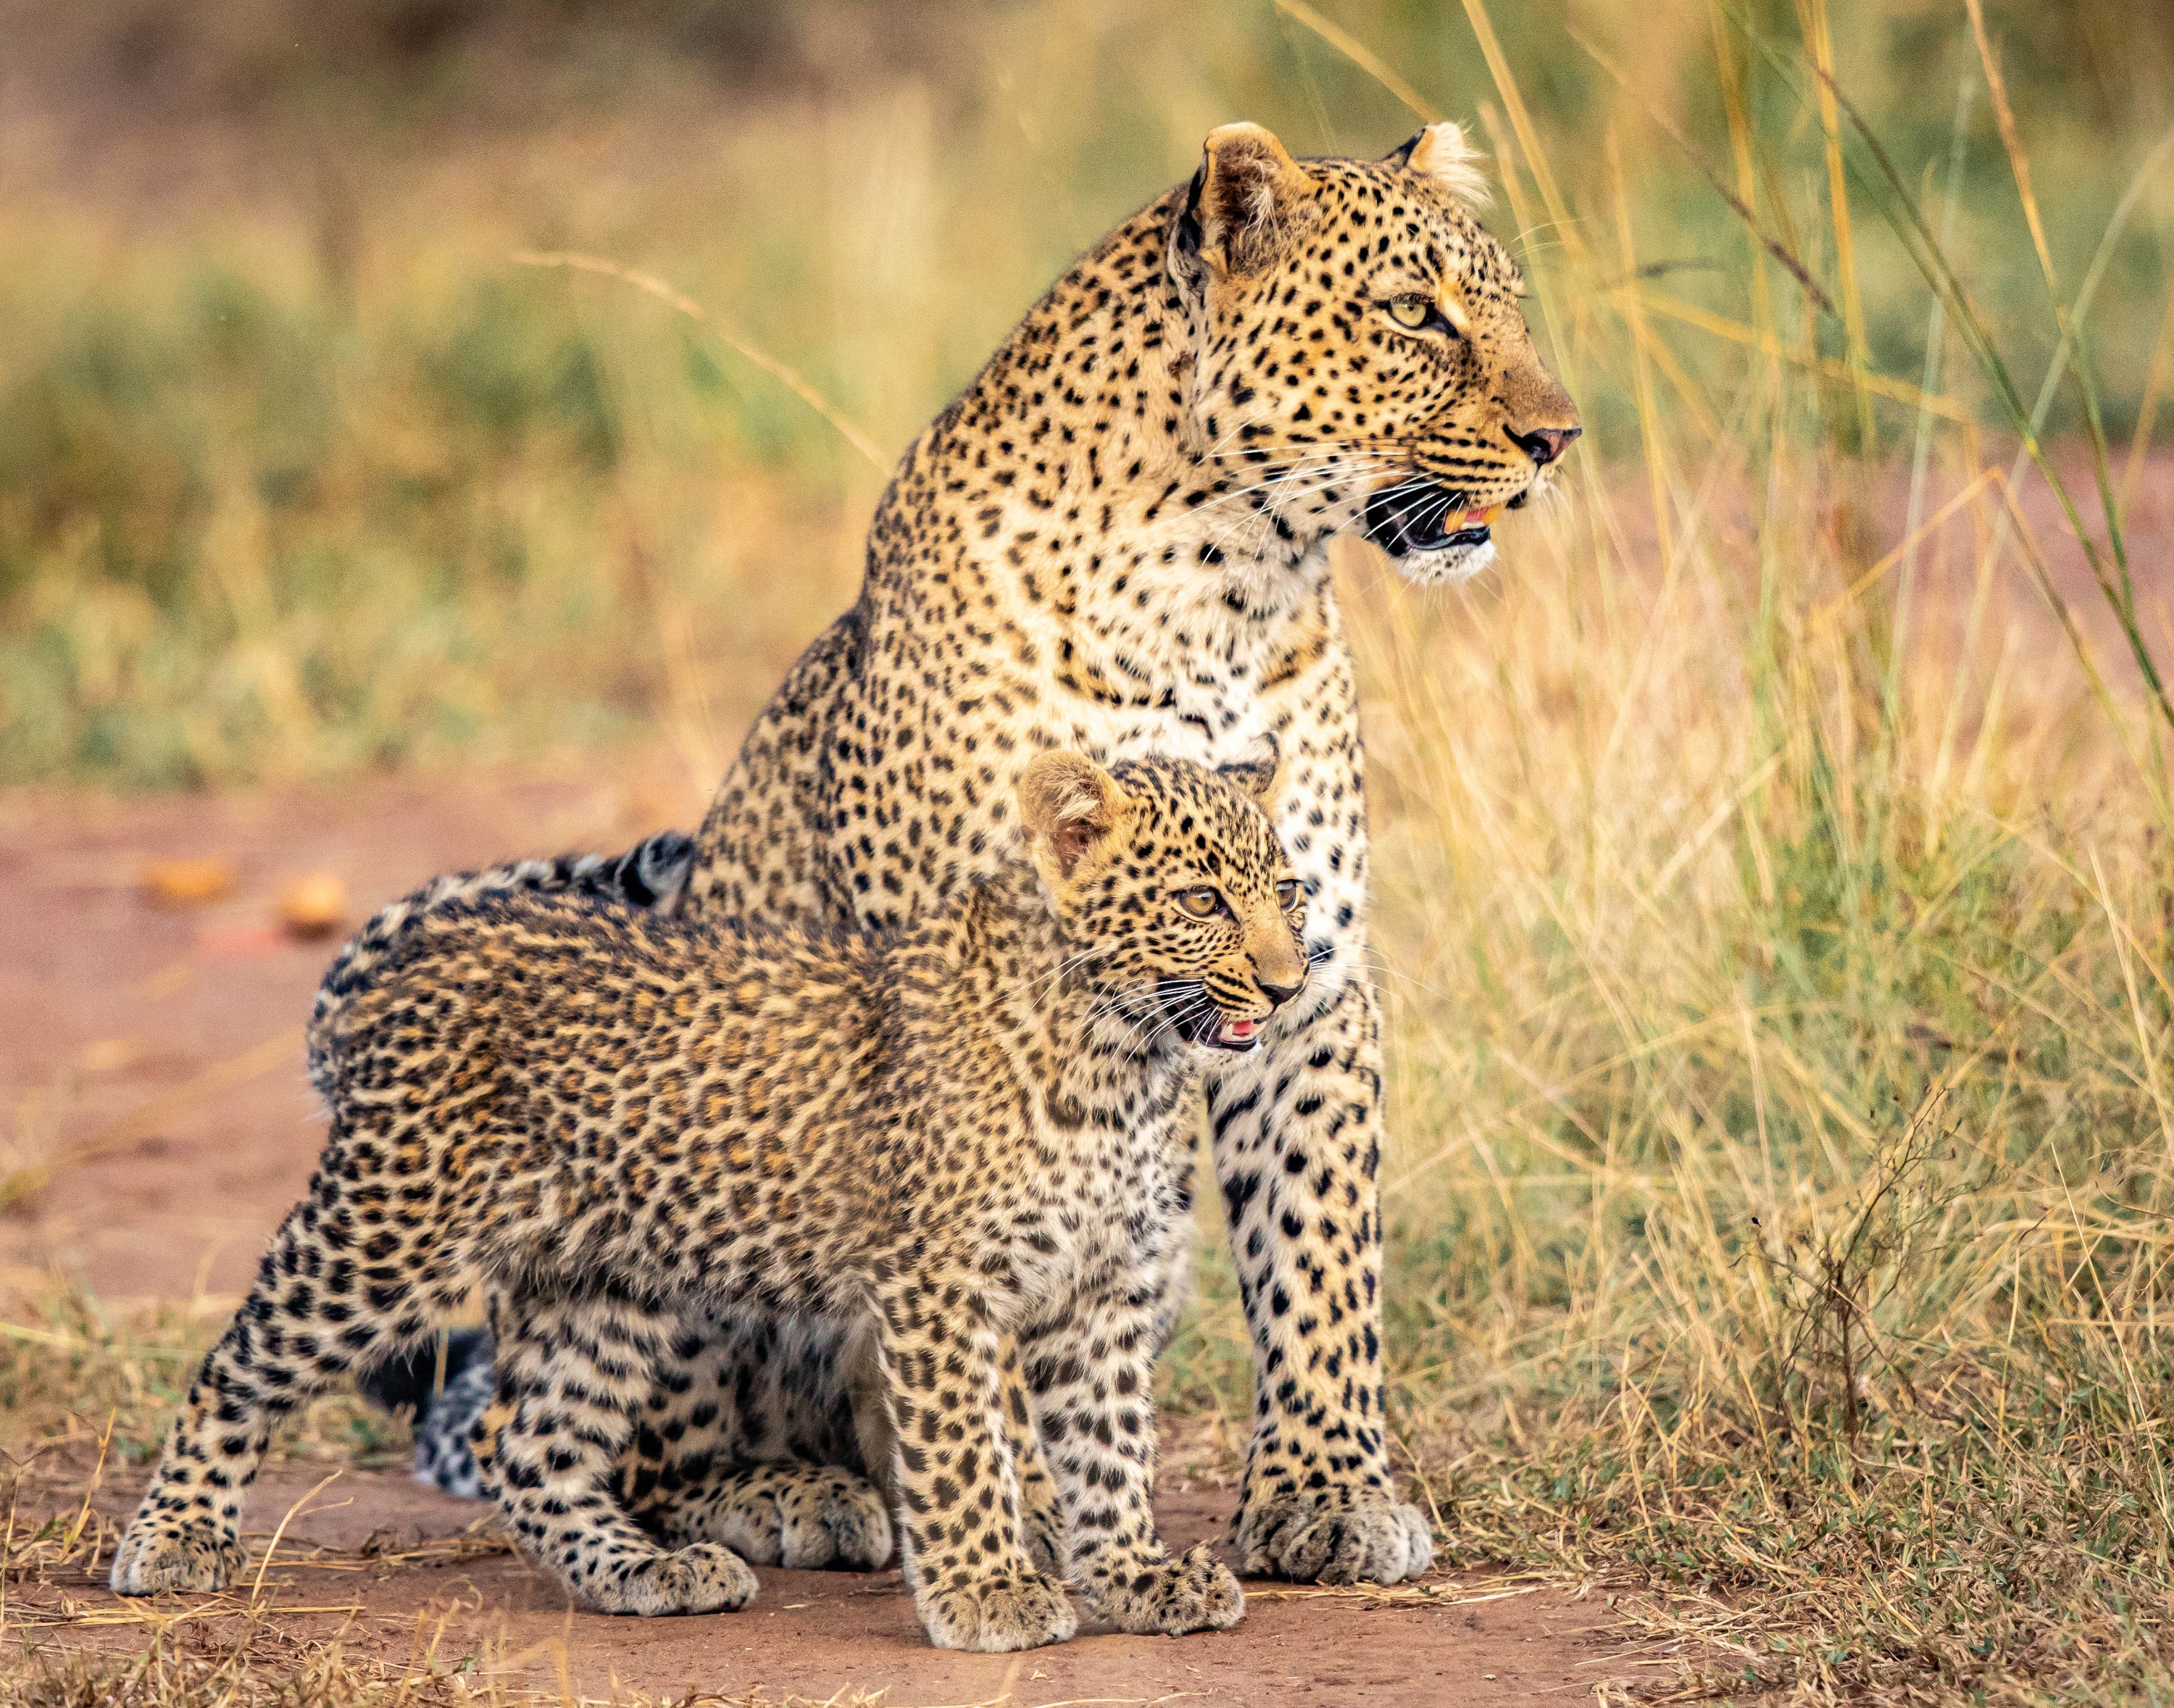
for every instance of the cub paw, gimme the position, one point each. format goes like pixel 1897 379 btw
pixel 1194 1592
pixel 706 1578
pixel 1334 1536
pixel 196 1557
pixel 993 1616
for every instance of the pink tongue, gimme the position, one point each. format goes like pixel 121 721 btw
pixel 1238 1029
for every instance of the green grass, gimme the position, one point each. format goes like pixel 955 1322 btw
pixel 1774 921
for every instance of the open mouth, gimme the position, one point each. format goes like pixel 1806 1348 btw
pixel 1423 516
pixel 1198 1020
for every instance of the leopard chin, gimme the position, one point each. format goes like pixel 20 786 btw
pixel 1432 532
pixel 1455 563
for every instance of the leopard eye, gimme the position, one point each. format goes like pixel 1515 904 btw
pixel 1202 902
pixel 1287 894
pixel 1410 311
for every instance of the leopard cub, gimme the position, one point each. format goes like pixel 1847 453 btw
pixel 961 1138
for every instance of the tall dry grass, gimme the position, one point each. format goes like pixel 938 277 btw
pixel 1775 919
pixel 1773 889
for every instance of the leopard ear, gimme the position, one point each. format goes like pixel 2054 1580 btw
pixel 1243 200
pixel 1259 772
pixel 1442 153
pixel 1069 804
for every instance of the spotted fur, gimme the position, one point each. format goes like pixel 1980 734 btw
pixel 1115 540
pixel 947 1139
pixel 651 871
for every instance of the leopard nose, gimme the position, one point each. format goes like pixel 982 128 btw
pixel 1544 443
pixel 1278 995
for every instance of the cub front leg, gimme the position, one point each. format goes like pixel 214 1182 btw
pixel 1297 1133
pixel 571 1373
pixel 974 1586
pixel 1093 1370
pixel 1042 1511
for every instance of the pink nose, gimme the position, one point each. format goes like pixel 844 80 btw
pixel 1545 444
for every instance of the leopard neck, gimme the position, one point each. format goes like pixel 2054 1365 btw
pixel 1071 496
pixel 1085 1044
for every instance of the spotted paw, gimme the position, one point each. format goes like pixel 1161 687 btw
pixel 156 1556
pixel 995 1615
pixel 1194 1592
pixel 810 1518
pixel 1334 1536
pixel 706 1578
pixel 834 1519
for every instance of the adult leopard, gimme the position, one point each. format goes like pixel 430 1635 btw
pixel 1114 540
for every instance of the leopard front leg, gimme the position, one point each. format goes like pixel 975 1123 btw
pixel 748 1438
pixel 787 1512
pixel 1093 1370
pixel 571 1372
pixel 1297 1131
pixel 974 1586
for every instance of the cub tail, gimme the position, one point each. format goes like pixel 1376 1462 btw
pixel 650 873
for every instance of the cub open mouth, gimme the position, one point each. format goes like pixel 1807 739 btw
pixel 1198 1020
pixel 1424 516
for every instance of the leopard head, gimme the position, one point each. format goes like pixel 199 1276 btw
pixel 1358 351
pixel 1171 890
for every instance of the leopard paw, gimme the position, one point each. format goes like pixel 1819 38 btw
pixel 995 1615
pixel 162 1554
pixel 1334 1536
pixel 1194 1592
pixel 831 1518
pixel 706 1578
pixel 810 1518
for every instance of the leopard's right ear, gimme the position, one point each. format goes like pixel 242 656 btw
pixel 1069 804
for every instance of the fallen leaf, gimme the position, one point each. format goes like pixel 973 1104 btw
pixel 314 906
pixel 188 883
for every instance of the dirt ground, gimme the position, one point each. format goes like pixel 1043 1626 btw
pixel 150 1060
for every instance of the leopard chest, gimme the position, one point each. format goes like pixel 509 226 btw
pixel 1095 1189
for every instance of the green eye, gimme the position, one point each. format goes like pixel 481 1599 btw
pixel 1287 894
pixel 1201 903
pixel 1410 312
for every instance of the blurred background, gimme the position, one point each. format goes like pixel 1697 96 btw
pixel 299 472
pixel 1776 905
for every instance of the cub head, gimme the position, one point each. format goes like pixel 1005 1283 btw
pixel 1358 347
pixel 1172 890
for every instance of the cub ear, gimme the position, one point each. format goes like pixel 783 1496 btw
pixel 1258 773
pixel 1068 803
pixel 1243 199
pixel 1442 153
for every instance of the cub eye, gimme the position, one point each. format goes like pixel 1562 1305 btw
pixel 1202 902
pixel 1410 312
pixel 1287 894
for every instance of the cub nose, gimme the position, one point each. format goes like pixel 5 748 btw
pixel 1544 443
pixel 1278 995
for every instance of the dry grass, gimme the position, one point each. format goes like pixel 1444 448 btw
pixel 1773 872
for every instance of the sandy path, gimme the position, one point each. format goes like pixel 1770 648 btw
pixel 821 1633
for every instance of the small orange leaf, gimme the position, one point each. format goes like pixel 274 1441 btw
pixel 313 906
pixel 188 883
